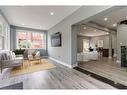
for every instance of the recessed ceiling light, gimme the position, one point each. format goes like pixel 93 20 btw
pixel 114 25
pixel 121 43
pixel 107 33
pixel 95 30
pixel 81 33
pixel 40 26
pixel 23 24
pixel 84 28
pixel 51 13
pixel 105 19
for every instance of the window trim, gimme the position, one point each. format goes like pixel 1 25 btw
pixel 1 36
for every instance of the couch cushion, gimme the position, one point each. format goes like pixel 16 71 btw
pixel 7 56
pixel 30 51
pixel 4 56
pixel 11 55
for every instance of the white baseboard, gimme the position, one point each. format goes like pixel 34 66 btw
pixel 74 65
pixel 118 61
pixel 63 63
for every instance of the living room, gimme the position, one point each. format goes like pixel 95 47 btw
pixel 30 43
pixel 41 46
pixel 40 41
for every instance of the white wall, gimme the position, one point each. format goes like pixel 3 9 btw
pixel 5 31
pixel 69 38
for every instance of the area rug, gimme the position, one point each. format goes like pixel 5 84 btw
pixel 14 86
pixel 30 68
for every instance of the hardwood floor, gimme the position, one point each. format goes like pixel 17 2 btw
pixel 59 77
pixel 107 68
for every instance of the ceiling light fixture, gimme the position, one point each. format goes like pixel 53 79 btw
pixel 23 24
pixel 51 13
pixel 95 30
pixel 81 33
pixel 107 33
pixel 114 25
pixel 105 19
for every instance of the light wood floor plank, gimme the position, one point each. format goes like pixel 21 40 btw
pixel 59 77
pixel 107 68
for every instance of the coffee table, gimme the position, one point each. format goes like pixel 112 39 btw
pixel 31 59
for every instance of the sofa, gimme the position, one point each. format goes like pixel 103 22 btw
pixel 9 60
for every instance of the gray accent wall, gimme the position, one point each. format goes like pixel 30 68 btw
pixel 74 32
pixel 12 38
pixel 68 51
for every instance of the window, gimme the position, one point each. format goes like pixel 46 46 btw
pixel 1 42
pixel 85 44
pixel 32 40
pixel 22 41
pixel 4 34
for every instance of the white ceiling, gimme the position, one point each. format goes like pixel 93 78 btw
pixel 114 16
pixel 37 17
pixel 91 32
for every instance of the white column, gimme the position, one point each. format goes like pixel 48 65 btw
pixel 110 45
pixel 121 39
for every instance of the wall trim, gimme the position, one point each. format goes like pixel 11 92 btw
pixel 74 65
pixel 63 63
